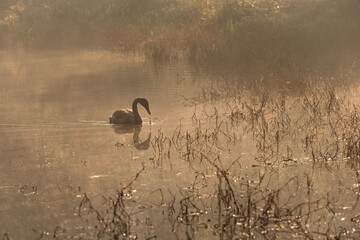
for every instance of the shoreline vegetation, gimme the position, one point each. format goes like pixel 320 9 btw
pixel 250 162
pixel 283 38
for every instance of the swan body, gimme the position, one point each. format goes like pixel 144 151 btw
pixel 130 116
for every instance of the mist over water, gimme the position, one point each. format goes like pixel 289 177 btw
pixel 253 132
pixel 55 133
pixel 62 161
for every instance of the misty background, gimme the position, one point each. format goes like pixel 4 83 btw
pixel 254 129
pixel 277 36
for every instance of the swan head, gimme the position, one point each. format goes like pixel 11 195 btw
pixel 144 102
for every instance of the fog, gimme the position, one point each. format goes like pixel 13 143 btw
pixel 269 36
pixel 247 126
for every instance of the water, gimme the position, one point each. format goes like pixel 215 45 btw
pixel 55 136
pixel 57 147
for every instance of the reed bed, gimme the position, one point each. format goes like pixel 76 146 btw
pixel 254 157
pixel 270 189
pixel 285 38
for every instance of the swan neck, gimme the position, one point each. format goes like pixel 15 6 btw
pixel 135 109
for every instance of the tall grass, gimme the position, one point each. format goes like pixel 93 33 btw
pixel 282 36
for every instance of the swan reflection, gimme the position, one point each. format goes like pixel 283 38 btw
pixel 135 130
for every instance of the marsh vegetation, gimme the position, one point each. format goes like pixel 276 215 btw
pixel 293 36
pixel 254 132
pixel 266 166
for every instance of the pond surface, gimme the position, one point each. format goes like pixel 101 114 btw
pixel 58 154
pixel 55 135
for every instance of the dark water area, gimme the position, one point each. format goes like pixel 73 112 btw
pixel 206 171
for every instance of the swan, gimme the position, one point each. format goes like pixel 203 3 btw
pixel 128 116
